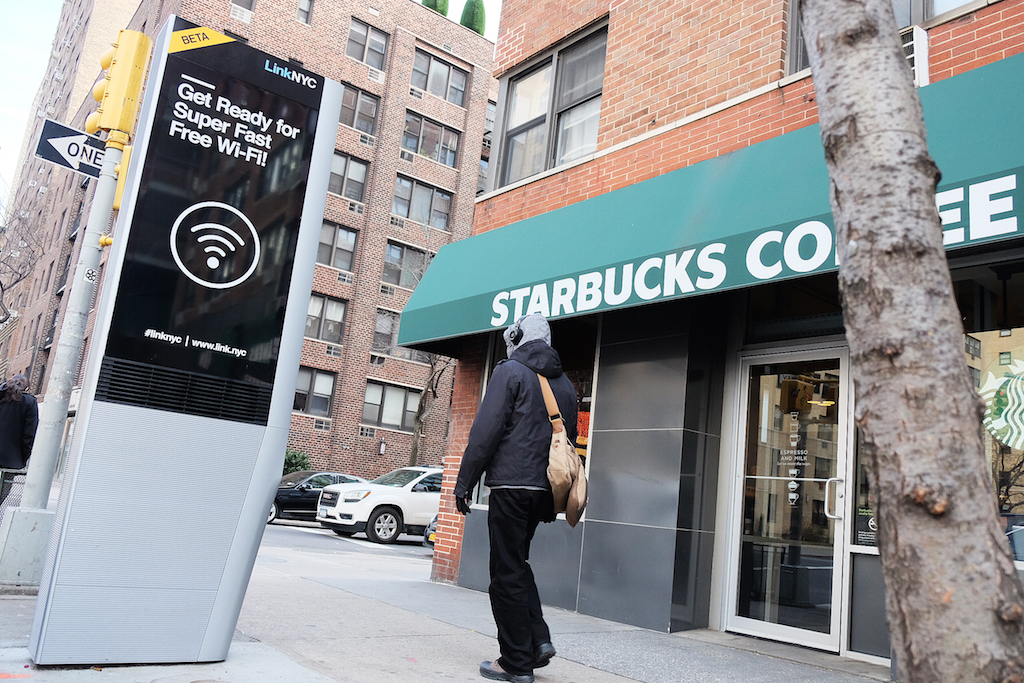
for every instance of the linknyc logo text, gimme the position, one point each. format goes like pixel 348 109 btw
pixel 290 74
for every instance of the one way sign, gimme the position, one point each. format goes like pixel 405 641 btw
pixel 71 148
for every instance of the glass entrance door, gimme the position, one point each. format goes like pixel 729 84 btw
pixel 788 548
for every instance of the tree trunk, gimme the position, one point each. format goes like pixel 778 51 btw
pixel 954 601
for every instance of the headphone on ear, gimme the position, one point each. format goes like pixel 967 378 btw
pixel 517 333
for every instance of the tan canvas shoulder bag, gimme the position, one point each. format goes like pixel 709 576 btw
pixel 565 471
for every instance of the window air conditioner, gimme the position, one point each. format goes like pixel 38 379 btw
pixel 915 47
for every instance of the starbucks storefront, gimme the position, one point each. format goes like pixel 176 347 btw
pixel 699 314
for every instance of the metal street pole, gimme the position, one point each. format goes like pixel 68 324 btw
pixel 54 410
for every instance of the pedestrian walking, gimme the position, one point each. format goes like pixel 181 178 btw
pixel 509 440
pixel 19 417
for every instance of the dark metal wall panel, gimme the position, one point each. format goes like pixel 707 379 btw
pixel 691 587
pixel 698 481
pixel 869 632
pixel 641 385
pixel 555 558
pixel 473 564
pixel 634 477
pixel 627 574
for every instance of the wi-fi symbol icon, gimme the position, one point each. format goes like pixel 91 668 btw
pixel 220 246
pixel 209 245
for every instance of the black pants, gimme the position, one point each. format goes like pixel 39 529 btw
pixel 511 521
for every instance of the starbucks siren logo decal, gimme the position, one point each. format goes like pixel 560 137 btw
pixel 1002 389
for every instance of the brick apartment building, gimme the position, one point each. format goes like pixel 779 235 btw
pixel 658 190
pixel 405 173
pixel 48 204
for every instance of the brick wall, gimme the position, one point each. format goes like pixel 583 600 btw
pixel 976 39
pixel 468 381
pixel 780 111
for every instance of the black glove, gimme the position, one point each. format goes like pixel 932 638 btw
pixel 462 505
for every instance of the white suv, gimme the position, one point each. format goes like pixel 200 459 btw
pixel 402 501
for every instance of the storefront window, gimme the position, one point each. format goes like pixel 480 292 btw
pixel 991 301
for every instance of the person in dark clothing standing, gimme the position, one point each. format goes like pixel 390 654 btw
pixel 19 417
pixel 509 440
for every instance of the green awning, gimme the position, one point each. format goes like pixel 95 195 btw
pixel 755 215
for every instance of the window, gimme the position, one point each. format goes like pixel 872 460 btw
pixel 972 345
pixel 305 9
pixel 549 120
pixel 908 13
pixel 325 318
pixel 358 109
pixel 432 140
pixel 366 44
pixel 404 266
pixel 431 484
pixel 481 176
pixel 390 406
pixel 385 339
pixel 245 4
pixel 492 112
pixel 1005 358
pixel 439 78
pixel 421 203
pixel 314 390
pixel 348 177
pixel 337 246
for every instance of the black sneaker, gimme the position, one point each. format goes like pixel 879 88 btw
pixel 494 672
pixel 543 654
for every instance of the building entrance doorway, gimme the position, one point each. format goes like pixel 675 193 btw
pixel 788 524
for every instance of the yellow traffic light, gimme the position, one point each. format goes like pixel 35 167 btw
pixel 119 91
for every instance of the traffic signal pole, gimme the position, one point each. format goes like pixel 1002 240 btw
pixel 54 410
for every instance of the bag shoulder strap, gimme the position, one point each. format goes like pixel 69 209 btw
pixel 549 400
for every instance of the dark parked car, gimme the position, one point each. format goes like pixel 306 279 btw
pixel 430 533
pixel 299 491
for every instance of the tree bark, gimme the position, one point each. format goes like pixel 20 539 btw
pixel 954 601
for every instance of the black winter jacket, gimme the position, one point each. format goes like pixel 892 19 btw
pixel 511 434
pixel 18 422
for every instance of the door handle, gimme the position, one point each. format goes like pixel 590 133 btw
pixel 837 481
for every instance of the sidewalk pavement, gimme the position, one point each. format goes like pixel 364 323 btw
pixel 371 615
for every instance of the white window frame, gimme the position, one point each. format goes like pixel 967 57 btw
pixel 388 345
pixel 443 150
pixel 424 83
pixel 369 32
pixel 322 320
pixel 361 98
pixel 310 392
pixel 379 420
pixel 347 176
pixel 334 245
pixel 401 264
pixel 417 187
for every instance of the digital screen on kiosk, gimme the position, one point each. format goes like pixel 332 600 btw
pixel 212 240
